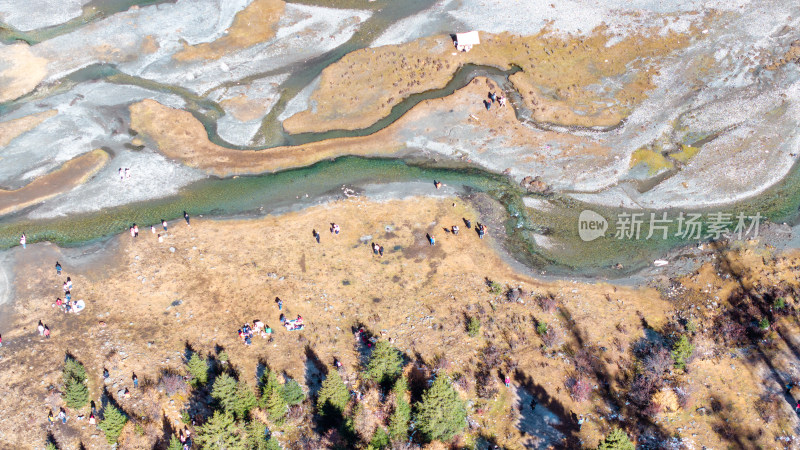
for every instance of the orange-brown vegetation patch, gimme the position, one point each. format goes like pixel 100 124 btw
pixel 150 44
pixel 243 108
pixel 567 81
pixel 254 24
pixel 20 71
pixel 180 136
pixel 73 173
pixel 12 128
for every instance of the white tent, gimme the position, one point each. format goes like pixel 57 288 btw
pixel 465 41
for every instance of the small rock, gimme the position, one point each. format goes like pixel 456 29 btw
pixel 172 249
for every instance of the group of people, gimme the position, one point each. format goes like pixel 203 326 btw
pixel 134 229
pixel 501 100
pixel 365 337
pixel 44 330
pixel 377 249
pixel 124 173
pixel 247 331
pixel 62 416
pixel 292 324
pixel 67 305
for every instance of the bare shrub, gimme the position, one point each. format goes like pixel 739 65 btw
pixel 658 362
pixel 550 338
pixel 546 302
pixel 491 355
pixel 642 389
pixel 172 384
pixel 514 294
pixel 485 383
pixel 441 363
pixel 579 388
pixel 296 412
pixel 652 409
pixel 730 332
pixel 584 362
pixel 684 394
pixel 464 382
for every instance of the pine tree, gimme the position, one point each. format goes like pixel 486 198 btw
pixel 198 369
pixel 293 393
pixel 224 392
pixel 441 413
pixel 175 444
pixel 682 351
pixel 380 440
pixel 221 432
pixel 273 399
pixel 333 396
pixel 245 400
pixel 385 364
pixel 73 370
pixel 256 437
pixel 76 392
pixel 273 444
pixel 616 440
pixel 112 423
pixel 398 422
pixel 51 446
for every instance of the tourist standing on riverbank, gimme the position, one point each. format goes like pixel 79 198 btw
pixel 431 239
pixel 186 218
pixel 164 224
pixel 23 240
pixel 315 234
pixel 58 268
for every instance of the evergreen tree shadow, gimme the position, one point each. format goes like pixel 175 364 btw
pixel 261 369
pixel 167 432
pixel 731 429
pixel 107 399
pixel 51 439
pixel 419 377
pixel 315 371
pixel 567 424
